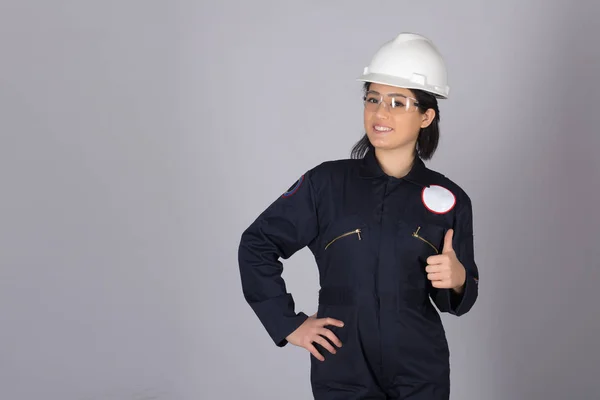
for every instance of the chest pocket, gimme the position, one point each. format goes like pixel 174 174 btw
pixel 343 251
pixel 353 232
pixel 422 239
pixel 344 233
pixel 428 235
pixel 416 241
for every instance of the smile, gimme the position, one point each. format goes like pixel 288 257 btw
pixel 380 128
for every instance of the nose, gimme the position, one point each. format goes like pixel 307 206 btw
pixel 382 110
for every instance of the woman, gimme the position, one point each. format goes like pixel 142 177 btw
pixel 388 235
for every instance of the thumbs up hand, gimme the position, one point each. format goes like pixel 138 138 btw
pixel 444 270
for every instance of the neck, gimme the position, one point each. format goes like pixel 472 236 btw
pixel 396 162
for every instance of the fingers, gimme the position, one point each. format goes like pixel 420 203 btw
pixel 444 284
pixel 331 321
pixel 434 269
pixel 314 352
pixel 320 336
pixel 314 332
pixel 438 276
pixel 323 342
pixel 438 269
pixel 320 339
pixel 331 336
pixel 438 260
pixel 448 241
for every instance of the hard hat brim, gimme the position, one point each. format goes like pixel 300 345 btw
pixel 438 92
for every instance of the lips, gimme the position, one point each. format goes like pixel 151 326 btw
pixel 382 128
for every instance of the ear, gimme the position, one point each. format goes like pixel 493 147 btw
pixel 428 117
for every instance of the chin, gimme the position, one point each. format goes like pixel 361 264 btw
pixel 383 143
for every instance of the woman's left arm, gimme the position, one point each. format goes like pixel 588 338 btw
pixel 454 274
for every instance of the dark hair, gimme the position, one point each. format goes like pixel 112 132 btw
pixel 429 137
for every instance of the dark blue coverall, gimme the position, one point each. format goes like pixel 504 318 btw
pixel 370 234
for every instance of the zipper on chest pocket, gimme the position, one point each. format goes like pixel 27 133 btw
pixel 416 234
pixel 354 232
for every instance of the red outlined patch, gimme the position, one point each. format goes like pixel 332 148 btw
pixel 438 199
pixel 291 191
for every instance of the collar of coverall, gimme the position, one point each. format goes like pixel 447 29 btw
pixel 419 174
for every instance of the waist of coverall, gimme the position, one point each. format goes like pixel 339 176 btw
pixel 347 296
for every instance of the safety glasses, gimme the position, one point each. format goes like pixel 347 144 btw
pixel 397 103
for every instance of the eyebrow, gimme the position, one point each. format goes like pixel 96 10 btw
pixel 388 94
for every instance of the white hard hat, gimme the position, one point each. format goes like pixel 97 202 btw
pixel 409 61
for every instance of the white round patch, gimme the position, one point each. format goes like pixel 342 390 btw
pixel 438 199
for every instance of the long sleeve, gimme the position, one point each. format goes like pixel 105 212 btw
pixel 446 299
pixel 286 226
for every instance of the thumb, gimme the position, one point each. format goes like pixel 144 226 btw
pixel 448 241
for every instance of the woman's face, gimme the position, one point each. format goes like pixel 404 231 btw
pixel 392 128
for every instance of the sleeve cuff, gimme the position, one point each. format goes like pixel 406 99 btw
pixel 278 317
pixel 461 303
pixel 288 325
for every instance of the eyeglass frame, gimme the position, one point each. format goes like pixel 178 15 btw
pixel 415 102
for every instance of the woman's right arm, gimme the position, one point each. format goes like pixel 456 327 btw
pixel 286 226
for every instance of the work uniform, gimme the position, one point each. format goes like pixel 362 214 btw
pixel 371 235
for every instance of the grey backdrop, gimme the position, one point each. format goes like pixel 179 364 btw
pixel 139 138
